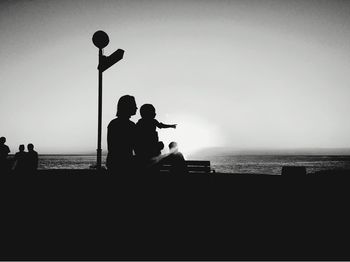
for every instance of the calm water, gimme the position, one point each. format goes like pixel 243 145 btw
pixel 268 164
pixel 261 164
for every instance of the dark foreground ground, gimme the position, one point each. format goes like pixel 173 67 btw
pixel 144 217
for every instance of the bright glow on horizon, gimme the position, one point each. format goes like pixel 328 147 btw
pixel 191 134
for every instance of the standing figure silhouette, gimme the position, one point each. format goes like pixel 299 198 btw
pixel 20 160
pixel 32 158
pixel 121 136
pixel 4 151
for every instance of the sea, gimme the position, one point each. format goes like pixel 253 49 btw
pixel 221 163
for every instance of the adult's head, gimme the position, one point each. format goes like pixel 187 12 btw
pixel 30 147
pixel 147 111
pixel 126 106
pixel 2 140
pixel 21 148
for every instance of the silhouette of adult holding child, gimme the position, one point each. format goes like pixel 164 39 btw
pixel 121 137
pixel 148 144
pixel 124 138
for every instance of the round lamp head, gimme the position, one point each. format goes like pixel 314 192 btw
pixel 100 39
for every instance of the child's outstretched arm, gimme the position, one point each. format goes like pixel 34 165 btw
pixel 161 125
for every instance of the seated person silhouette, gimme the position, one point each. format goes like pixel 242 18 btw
pixel 176 160
pixel 148 145
pixel 121 137
pixel 20 160
pixel 32 158
pixel 4 151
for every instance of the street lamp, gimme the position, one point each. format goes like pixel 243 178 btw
pixel 101 40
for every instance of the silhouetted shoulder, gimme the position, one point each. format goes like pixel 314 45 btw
pixel 117 122
pixel 143 121
pixel 147 124
pixel 4 149
pixel 139 122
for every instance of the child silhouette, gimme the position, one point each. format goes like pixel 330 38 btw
pixel 148 142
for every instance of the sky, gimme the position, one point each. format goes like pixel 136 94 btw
pixel 241 74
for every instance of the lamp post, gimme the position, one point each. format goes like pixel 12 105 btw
pixel 101 40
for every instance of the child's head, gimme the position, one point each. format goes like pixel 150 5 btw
pixel 148 111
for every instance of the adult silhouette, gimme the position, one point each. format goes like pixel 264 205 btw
pixel 121 136
pixel 4 151
pixel 20 160
pixel 32 158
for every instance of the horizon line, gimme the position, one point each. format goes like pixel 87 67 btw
pixel 305 150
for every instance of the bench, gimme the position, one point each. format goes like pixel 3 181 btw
pixel 193 166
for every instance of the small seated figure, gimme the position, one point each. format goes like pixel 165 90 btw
pixel 176 160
